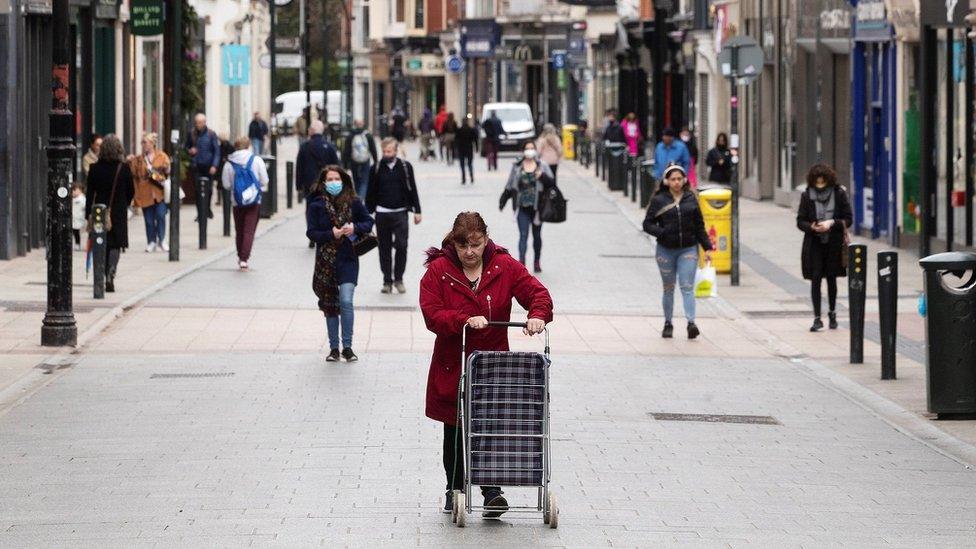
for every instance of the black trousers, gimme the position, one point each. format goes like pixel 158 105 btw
pixel 831 294
pixel 466 160
pixel 554 168
pixel 392 231
pixel 454 459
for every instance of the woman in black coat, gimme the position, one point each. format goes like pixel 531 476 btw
pixel 110 183
pixel 824 216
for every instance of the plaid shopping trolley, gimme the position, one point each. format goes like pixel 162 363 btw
pixel 504 406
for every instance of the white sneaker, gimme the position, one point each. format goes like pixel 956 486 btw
pixel 243 265
pixel 151 247
pixel 163 246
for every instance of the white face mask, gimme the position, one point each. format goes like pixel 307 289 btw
pixel 530 153
pixel 685 138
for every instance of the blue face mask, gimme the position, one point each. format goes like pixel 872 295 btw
pixel 333 187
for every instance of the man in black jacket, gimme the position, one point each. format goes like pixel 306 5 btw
pixel 257 131
pixel 493 134
pixel 391 195
pixel 465 144
pixel 358 155
pixel 313 155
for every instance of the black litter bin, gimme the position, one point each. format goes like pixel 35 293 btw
pixel 950 332
pixel 269 198
pixel 646 183
pixel 617 174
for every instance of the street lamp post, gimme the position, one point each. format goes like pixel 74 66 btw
pixel 176 124
pixel 59 327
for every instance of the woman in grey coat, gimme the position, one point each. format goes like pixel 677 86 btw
pixel 529 178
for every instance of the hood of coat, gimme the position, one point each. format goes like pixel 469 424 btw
pixel 447 250
pixel 240 156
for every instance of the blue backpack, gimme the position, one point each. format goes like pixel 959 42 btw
pixel 247 191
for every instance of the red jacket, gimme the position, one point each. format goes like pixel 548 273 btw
pixel 447 302
pixel 439 121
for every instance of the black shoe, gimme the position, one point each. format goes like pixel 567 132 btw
pixel 349 355
pixel 311 244
pixel 693 330
pixel 495 504
pixel 817 325
pixel 333 356
pixel 110 285
pixel 668 331
pixel 832 320
pixel 449 504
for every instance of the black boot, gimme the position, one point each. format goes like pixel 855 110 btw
pixel 817 325
pixel 832 320
pixel 693 331
pixel 668 331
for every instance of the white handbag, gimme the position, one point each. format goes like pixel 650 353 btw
pixel 167 191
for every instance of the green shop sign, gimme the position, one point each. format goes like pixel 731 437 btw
pixel 147 17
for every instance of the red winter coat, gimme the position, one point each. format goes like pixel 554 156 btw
pixel 439 120
pixel 447 302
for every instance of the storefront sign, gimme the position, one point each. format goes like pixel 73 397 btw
pixel 423 65
pixel 379 67
pixel 479 37
pixel 944 13
pixel 146 17
pixel 236 64
pixel 871 22
pixel 454 64
pixel 832 17
pixel 40 7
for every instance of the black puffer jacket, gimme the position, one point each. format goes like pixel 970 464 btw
pixel 677 227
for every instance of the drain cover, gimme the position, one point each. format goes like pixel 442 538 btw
pixel 191 375
pixel 715 418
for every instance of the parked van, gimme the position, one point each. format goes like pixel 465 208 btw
pixel 517 123
pixel 289 106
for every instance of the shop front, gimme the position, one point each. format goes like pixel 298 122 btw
pixel 946 82
pixel 426 74
pixel 874 172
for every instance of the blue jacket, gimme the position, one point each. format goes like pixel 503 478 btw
pixel 319 230
pixel 313 155
pixel 208 147
pixel 664 156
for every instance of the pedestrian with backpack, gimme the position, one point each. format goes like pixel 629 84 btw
pixel 246 176
pixel 358 155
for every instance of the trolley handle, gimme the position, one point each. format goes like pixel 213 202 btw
pixel 499 324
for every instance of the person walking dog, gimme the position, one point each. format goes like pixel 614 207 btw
pixel 391 196
pixel 471 281
pixel 336 218
pixel 824 216
pixel 246 176
pixel 675 219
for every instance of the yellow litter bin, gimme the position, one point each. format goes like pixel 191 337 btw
pixel 569 141
pixel 716 207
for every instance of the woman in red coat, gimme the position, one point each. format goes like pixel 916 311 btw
pixel 469 282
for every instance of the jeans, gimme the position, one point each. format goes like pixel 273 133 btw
pixel 360 175
pixel 245 224
pixel 392 231
pixel 346 291
pixel 525 217
pixel 454 459
pixel 155 218
pixel 466 160
pixel 257 145
pixel 680 264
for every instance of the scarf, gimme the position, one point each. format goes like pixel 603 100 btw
pixel 823 200
pixel 324 282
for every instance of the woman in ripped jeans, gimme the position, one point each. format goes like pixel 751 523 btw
pixel 674 218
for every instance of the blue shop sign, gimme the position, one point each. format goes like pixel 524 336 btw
pixel 871 22
pixel 454 64
pixel 479 37
pixel 236 64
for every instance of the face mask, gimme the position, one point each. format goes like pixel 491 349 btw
pixel 530 154
pixel 333 187
pixel 685 138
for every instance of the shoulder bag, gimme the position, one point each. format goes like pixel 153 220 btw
pixel 111 200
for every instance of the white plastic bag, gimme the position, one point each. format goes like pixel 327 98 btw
pixel 706 281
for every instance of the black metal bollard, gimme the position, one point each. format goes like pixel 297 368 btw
pixel 606 163
pixel 598 157
pixel 99 245
pixel 627 166
pixel 857 279
pixel 646 183
pixel 888 310
pixel 635 176
pixel 225 196
pixel 203 209
pixel 290 182
pixel 269 199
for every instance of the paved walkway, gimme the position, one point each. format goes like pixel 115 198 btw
pixel 207 416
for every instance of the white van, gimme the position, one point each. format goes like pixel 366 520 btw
pixel 516 121
pixel 291 104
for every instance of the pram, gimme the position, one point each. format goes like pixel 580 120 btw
pixel 504 408
pixel 427 146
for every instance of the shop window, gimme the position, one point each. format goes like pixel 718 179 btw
pixel 151 86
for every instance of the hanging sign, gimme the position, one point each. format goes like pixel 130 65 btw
pixel 236 64
pixel 146 17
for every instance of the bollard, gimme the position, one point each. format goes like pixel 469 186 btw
pixel 606 163
pixel 617 179
pixel 99 245
pixel 203 209
pixel 627 165
pixel 635 176
pixel 857 265
pixel 269 199
pixel 225 196
pixel 290 182
pixel 888 310
pixel 646 183
pixel 598 157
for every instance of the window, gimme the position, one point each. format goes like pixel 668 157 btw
pixel 418 14
pixel 364 21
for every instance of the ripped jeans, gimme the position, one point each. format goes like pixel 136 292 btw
pixel 678 264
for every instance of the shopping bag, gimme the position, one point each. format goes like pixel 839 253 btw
pixel 706 281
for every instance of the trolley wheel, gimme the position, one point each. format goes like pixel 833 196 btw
pixel 545 508
pixel 553 512
pixel 460 513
